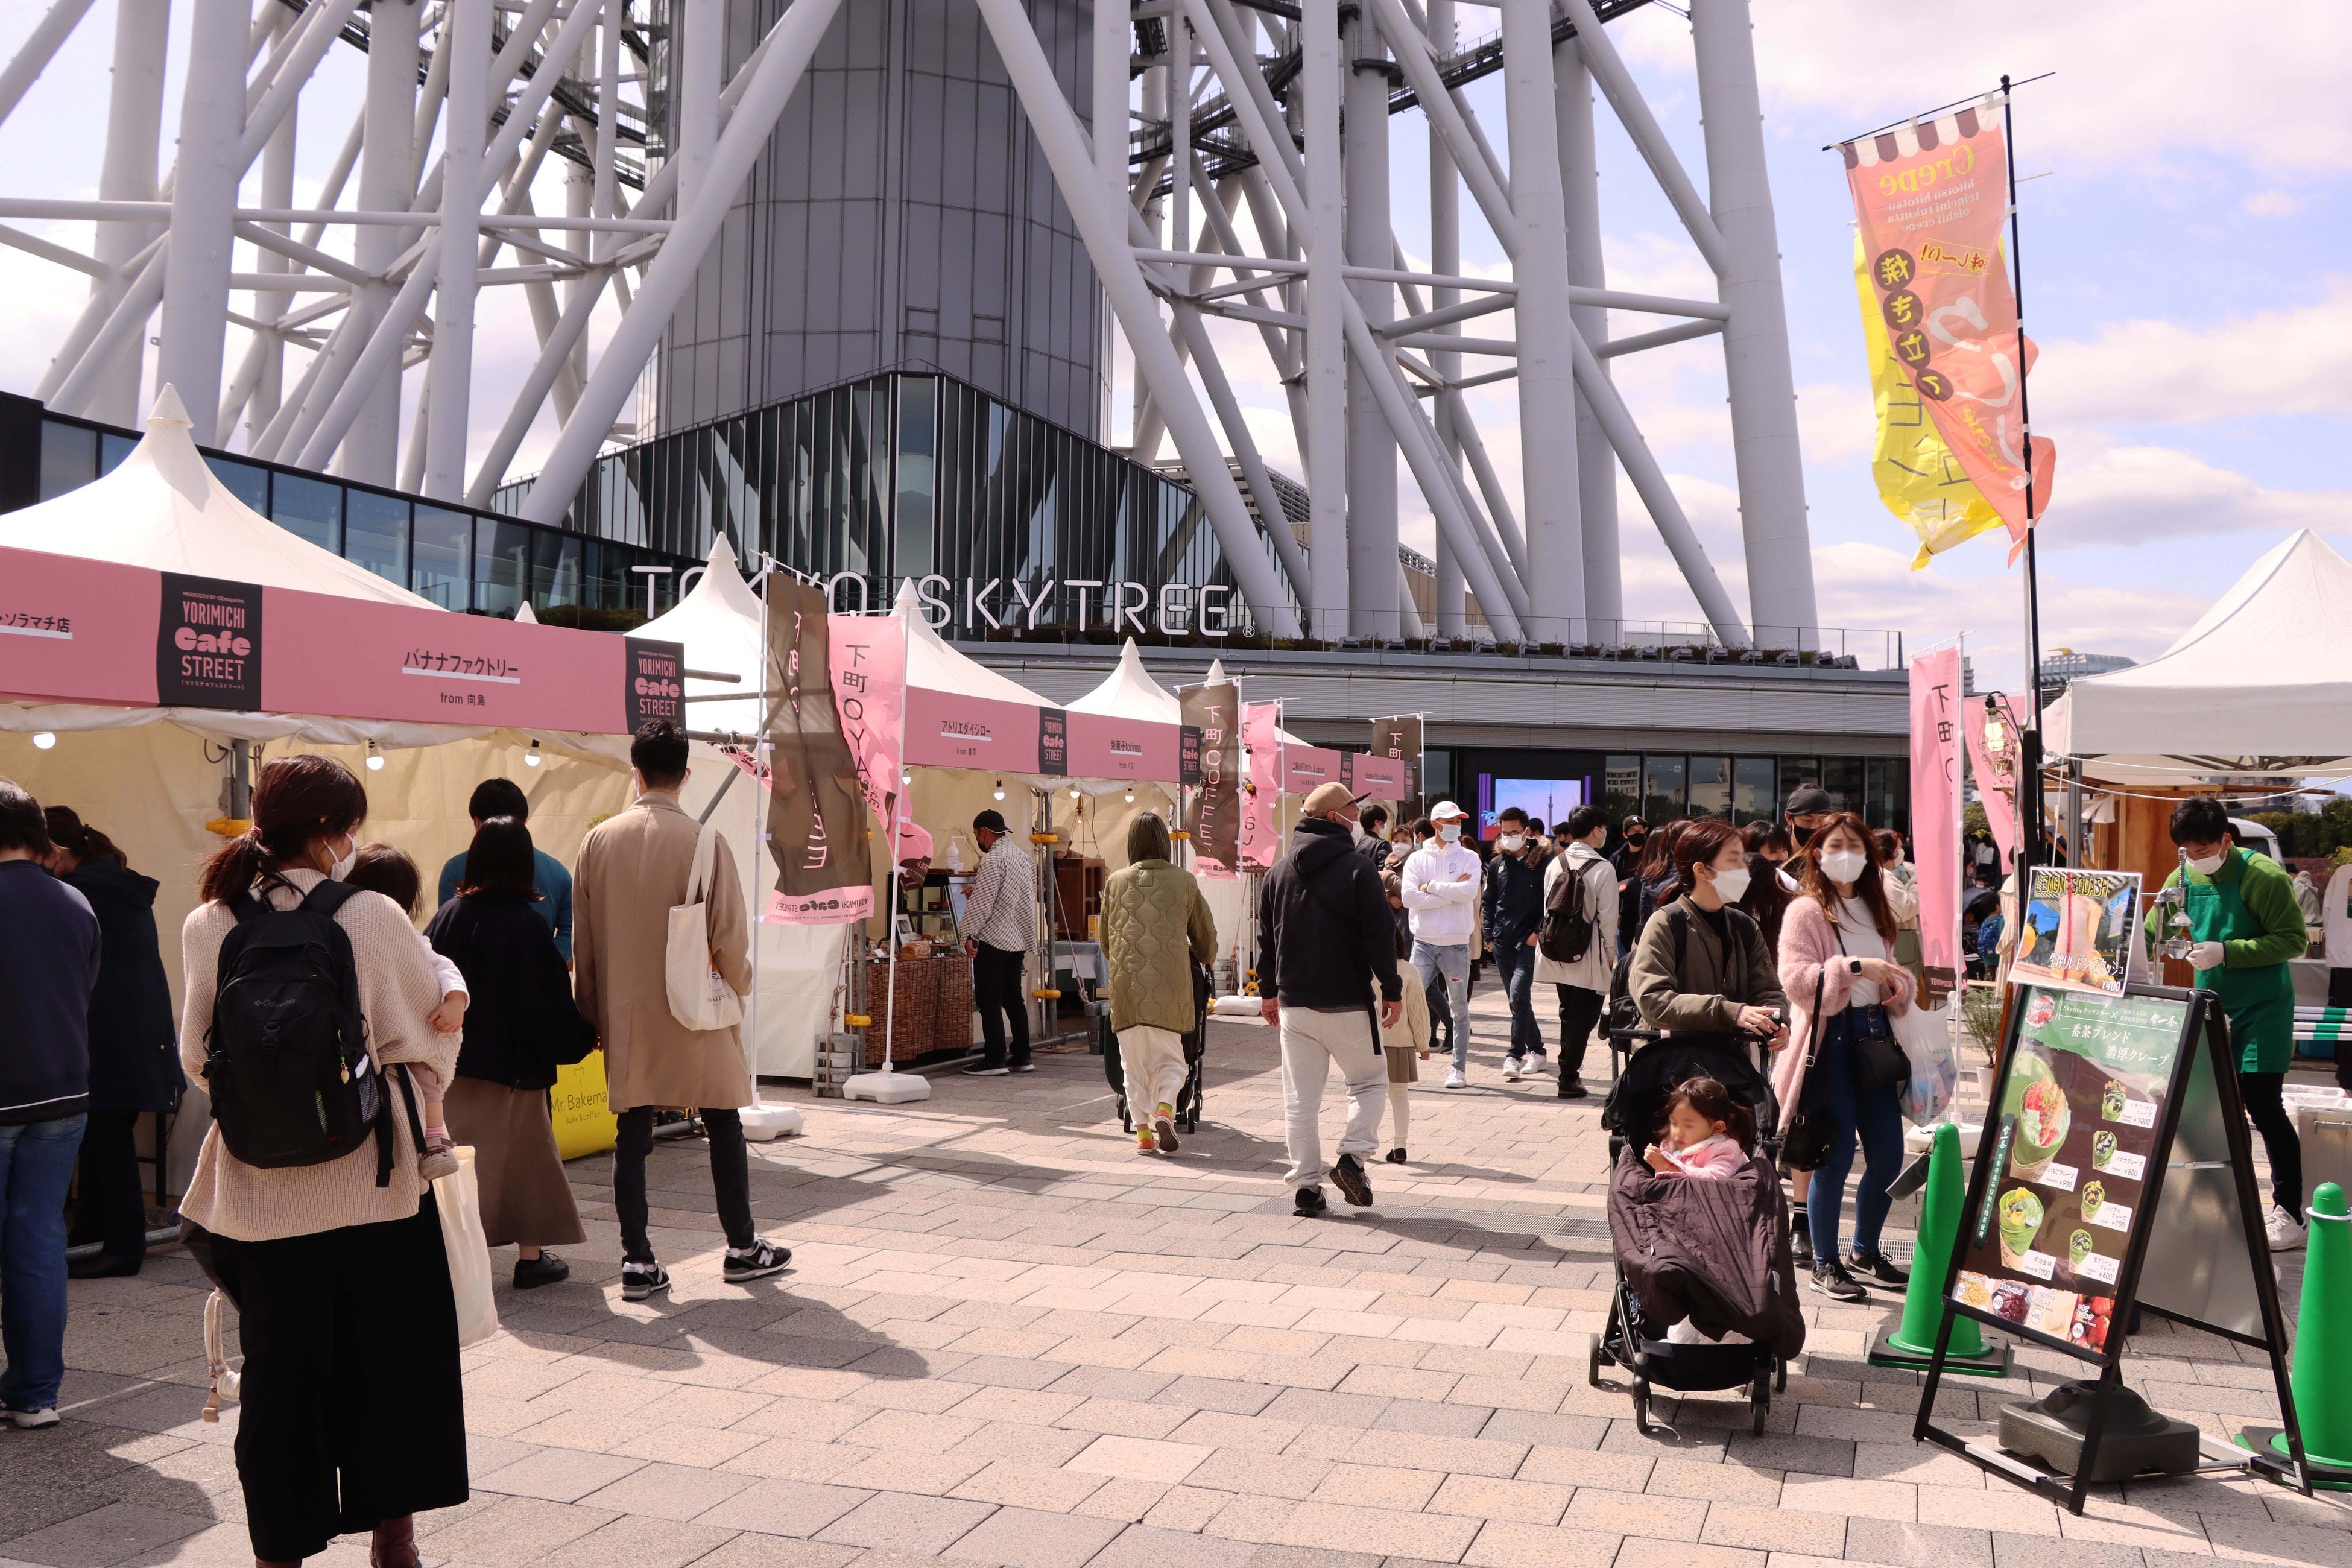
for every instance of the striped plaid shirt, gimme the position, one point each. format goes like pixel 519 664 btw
pixel 1002 908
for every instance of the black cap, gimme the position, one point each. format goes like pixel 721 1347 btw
pixel 1808 800
pixel 992 820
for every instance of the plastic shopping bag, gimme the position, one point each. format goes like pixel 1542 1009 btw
pixel 1925 1036
pixel 459 1199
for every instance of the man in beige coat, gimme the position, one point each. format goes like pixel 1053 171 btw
pixel 632 869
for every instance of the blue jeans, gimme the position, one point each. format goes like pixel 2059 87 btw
pixel 37 1162
pixel 1453 963
pixel 1517 967
pixel 1874 1117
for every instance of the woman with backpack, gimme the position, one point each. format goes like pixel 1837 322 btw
pixel 1700 966
pixel 306 1207
pixel 521 1025
pixel 1837 948
pixel 1580 889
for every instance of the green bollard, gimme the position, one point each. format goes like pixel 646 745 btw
pixel 1912 1343
pixel 2321 1379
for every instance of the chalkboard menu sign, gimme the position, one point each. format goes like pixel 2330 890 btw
pixel 2078 1136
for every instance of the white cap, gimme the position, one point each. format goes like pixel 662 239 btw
pixel 1444 810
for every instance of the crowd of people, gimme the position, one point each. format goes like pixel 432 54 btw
pixel 347 1056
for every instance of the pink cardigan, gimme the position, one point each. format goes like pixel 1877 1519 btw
pixel 1808 942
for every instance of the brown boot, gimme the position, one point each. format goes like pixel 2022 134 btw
pixel 394 1544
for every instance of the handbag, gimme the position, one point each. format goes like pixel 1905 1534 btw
pixel 700 996
pixel 1878 1058
pixel 1806 1143
pixel 458 1201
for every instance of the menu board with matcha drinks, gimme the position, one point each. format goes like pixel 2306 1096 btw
pixel 2078 1119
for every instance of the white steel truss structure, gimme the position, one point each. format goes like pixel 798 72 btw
pixel 1199 109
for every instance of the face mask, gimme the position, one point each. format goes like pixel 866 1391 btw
pixel 1449 831
pixel 1635 839
pixel 1844 865
pixel 1510 843
pixel 1731 885
pixel 2208 865
pixel 342 867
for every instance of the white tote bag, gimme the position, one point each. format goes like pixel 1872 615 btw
pixel 700 996
pixel 459 1200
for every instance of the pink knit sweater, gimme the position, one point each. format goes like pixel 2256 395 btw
pixel 1808 943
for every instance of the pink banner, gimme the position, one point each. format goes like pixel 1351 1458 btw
pixel 1996 772
pixel 1104 747
pixel 1261 798
pixel 1382 778
pixel 945 730
pixel 1936 709
pixel 1306 769
pixel 90 631
pixel 1932 197
pixel 869 656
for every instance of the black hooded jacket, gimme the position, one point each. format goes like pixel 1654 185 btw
pixel 1325 932
pixel 134 1057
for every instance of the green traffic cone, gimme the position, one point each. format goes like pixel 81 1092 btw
pixel 2321 1379
pixel 1912 1343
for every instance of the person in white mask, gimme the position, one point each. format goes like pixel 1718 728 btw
pixel 1701 967
pixel 1442 881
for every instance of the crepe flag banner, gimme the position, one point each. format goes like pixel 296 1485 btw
pixel 1400 739
pixel 1215 821
pixel 817 839
pixel 1261 738
pixel 1936 709
pixel 1996 770
pixel 868 661
pixel 1918 479
pixel 1931 198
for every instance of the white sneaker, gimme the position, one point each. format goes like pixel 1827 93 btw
pixel 29 1420
pixel 1453 1079
pixel 2285 1231
pixel 1510 1069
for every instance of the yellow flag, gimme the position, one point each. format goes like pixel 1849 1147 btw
pixel 1917 477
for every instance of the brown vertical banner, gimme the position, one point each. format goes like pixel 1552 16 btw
pixel 1400 738
pixel 1217 814
pixel 817 806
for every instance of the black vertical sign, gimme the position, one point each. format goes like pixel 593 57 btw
pixel 655 687
pixel 1188 754
pixel 208 644
pixel 1053 742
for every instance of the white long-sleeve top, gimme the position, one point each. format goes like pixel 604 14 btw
pixel 1443 909
pixel 2336 919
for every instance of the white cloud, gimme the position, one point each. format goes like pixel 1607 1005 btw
pixel 2297 359
pixel 2134 495
pixel 2273 204
pixel 2132 84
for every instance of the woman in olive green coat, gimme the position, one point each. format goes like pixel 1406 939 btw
pixel 1155 927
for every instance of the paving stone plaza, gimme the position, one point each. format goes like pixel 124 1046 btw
pixel 1008 1340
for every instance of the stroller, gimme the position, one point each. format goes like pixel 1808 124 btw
pixel 1714 1252
pixel 1196 1045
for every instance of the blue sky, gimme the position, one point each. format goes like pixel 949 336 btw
pixel 2184 279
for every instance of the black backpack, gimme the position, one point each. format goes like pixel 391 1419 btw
pixel 1565 933
pixel 286 1059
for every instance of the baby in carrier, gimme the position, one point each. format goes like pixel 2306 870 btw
pixel 1707 1136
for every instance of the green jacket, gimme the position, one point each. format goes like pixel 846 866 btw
pixel 2256 990
pixel 1697 997
pixel 1155 927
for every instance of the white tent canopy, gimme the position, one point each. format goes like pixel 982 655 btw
pixel 1129 692
pixel 161 509
pixel 2261 684
pixel 718 622
pixel 933 665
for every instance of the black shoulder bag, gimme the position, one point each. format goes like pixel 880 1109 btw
pixel 1806 1144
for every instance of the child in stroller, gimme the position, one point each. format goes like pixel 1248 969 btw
pixel 1704 1291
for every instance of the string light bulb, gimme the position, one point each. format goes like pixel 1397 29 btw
pixel 1131 795
pixel 1074 792
pixel 374 759
pixel 1000 789
pixel 531 758
pixel 45 740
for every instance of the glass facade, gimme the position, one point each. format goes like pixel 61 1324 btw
pixel 1659 787
pixel 459 559
pixel 904 477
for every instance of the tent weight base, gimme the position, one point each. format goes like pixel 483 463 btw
pixel 888 1087
pixel 765 1123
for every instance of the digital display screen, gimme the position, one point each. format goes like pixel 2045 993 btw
pixel 1549 800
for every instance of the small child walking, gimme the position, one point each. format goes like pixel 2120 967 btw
pixel 380 869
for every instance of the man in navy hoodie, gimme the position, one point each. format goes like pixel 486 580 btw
pixel 48 967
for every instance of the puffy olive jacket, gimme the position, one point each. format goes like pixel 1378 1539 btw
pixel 1155 927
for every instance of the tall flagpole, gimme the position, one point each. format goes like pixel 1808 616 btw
pixel 2029 781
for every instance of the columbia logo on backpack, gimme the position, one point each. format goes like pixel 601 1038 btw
pixel 287 1056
